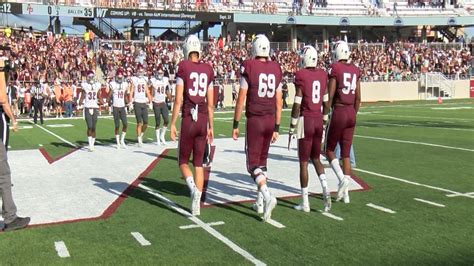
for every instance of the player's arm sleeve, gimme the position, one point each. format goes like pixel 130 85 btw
pixel 244 76
pixel 279 77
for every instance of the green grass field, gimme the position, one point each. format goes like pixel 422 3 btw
pixel 427 149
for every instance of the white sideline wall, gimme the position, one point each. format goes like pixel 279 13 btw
pixel 379 91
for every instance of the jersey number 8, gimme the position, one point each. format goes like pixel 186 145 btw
pixel 199 84
pixel 266 85
pixel 316 91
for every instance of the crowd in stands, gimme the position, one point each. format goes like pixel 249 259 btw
pixel 63 61
pixel 68 58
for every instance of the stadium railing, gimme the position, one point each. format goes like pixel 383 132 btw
pixel 287 7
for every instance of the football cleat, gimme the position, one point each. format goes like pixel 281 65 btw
pixel 162 141
pixel 302 207
pixel 269 206
pixel 343 185
pixel 257 207
pixel 327 202
pixel 196 202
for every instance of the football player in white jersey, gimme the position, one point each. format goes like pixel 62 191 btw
pixel 141 97
pixel 90 99
pixel 160 91
pixel 118 91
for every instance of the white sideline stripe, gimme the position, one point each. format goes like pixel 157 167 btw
pixel 206 227
pixel 24 127
pixel 139 237
pixel 429 202
pixel 55 135
pixel 415 142
pixel 61 249
pixel 332 216
pixel 415 183
pixel 469 194
pixel 380 208
pixel 98 142
pixel 150 139
pixel 275 223
pixel 184 227
pixel 417 125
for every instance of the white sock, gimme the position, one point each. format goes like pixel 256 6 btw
pixel 89 139
pixel 304 196
pixel 139 139
pixel 163 132
pixel 324 183
pixel 337 169
pixel 141 135
pixel 266 193
pixel 259 198
pixel 117 138
pixel 190 183
pixel 158 133
pixel 123 137
pixel 93 141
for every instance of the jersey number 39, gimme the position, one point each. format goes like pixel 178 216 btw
pixel 199 84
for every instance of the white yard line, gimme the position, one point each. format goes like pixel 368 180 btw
pixel 416 183
pixel 41 145
pixel 275 223
pixel 204 226
pixel 61 249
pixel 415 142
pixel 417 125
pixel 380 208
pixel 425 117
pixel 412 105
pixel 191 226
pixel 221 135
pixel 429 202
pixel 55 135
pixel 469 195
pixel 139 237
pixel 332 216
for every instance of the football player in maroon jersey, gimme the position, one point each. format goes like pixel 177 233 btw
pixel 260 91
pixel 194 96
pixel 344 98
pixel 310 83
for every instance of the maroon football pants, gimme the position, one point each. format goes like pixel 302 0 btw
pixel 341 129
pixel 192 139
pixel 258 136
pixel 310 146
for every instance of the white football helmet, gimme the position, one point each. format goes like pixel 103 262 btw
pixel 309 57
pixel 261 46
pixel 191 44
pixel 341 51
